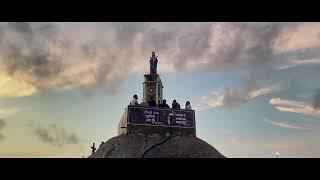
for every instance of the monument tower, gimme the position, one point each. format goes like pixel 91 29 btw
pixel 152 85
pixel 150 131
pixel 149 119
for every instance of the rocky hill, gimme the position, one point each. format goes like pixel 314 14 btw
pixel 138 146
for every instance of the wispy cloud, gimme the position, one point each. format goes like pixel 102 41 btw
pixel 10 87
pixel 299 107
pixel 286 102
pixel 2 125
pixel 231 97
pixel 284 124
pixel 295 63
pixel 7 111
pixel 264 90
pixel 54 135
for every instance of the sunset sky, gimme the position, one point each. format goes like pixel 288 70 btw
pixel 255 87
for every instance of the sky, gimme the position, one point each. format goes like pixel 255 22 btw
pixel 254 86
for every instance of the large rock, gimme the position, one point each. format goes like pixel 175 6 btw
pixel 138 146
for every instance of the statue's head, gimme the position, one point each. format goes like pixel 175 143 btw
pixel 153 54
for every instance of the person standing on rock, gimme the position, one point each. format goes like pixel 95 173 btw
pixel 188 106
pixel 164 104
pixel 175 105
pixel 152 102
pixel 134 101
pixel 101 144
pixel 93 148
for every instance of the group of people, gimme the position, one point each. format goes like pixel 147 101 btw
pixel 152 103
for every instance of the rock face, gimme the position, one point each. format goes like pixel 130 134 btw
pixel 138 146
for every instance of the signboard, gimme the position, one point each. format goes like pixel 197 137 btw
pixel 161 117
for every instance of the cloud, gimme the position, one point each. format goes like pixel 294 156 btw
pixel 305 35
pixel 244 44
pixel 264 90
pixel 10 87
pixel 87 56
pixel 281 101
pixel 54 135
pixel 232 97
pixel 295 63
pixel 2 125
pixel 50 56
pixel 25 51
pixel 283 124
pixel 298 107
pixel 7 111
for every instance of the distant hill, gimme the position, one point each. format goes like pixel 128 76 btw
pixel 138 146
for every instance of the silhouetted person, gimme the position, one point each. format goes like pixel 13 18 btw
pixel 164 104
pixel 101 144
pixel 144 104
pixel 188 106
pixel 134 101
pixel 152 102
pixel 175 105
pixel 93 148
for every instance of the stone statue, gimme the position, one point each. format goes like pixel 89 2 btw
pixel 153 64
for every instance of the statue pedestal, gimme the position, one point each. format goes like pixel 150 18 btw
pixel 152 88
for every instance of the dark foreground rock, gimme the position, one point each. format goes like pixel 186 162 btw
pixel 138 146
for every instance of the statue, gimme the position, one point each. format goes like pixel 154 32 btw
pixel 153 64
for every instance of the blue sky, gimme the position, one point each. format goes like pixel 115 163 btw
pixel 253 85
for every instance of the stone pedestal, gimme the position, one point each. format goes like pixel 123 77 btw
pixel 152 87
